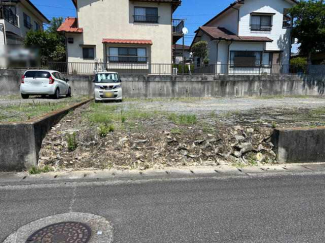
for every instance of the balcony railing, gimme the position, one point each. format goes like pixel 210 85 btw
pixel 258 27
pixel 178 25
pixel 146 18
pixel 9 16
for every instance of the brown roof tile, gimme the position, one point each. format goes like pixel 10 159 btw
pixel 70 25
pixel 219 33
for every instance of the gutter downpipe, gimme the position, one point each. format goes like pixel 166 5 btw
pixel 228 63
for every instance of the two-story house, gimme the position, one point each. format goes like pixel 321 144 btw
pixel 123 35
pixel 17 17
pixel 250 36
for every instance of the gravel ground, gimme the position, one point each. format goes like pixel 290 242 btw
pixel 160 133
pixel 221 105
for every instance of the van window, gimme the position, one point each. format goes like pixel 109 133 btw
pixel 37 74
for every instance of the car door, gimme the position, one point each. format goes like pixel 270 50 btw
pixel 61 83
pixel 64 83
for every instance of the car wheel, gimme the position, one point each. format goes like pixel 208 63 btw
pixel 69 92
pixel 56 94
pixel 24 96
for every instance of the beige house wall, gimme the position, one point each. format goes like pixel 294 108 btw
pixel 113 19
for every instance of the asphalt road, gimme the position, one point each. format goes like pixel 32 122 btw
pixel 270 209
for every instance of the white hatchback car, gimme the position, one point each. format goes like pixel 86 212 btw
pixel 44 82
pixel 108 86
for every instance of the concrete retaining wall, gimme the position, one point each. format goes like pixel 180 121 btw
pixel 298 145
pixel 20 143
pixel 147 86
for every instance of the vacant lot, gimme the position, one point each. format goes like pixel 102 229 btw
pixel 182 132
pixel 13 109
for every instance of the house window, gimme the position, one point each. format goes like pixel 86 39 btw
pixel 70 40
pixel 9 14
pixel 88 53
pixel 245 58
pixel 37 26
pixel 261 22
pixel 287 19
pixel 27 21
pixel 147 15
pixel 267 59
pixel 127 54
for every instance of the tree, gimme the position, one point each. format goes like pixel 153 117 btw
pixel 200 50
pixel 309 26
pixel 49 44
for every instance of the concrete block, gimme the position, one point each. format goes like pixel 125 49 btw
pixel 297 145
pixel 20 143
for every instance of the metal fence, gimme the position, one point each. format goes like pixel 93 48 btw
pixel 89 68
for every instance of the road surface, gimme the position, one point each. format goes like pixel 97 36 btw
pixel 280 208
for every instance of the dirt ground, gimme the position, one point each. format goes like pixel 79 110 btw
pixel 142 134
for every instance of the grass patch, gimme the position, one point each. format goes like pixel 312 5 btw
pixel 72 142
pixel 36 170
pixel 183 119
pixel 27 111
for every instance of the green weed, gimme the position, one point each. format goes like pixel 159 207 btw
pixel 72 142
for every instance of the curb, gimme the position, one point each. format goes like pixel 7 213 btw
pixel 223 171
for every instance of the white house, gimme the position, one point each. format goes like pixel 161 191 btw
pixel 122 35
pixel 250 36
pixel 17 17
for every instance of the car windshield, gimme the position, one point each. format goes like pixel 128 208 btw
pixel 37 74
pixel 107 78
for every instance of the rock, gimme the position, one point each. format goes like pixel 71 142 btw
pixel 246 147
pixel 122 141
pixel 250 130
pixel 237 154
pixel 238 128
pixel 199 142
pixel 141 141
pixel 239 138
pixel 259 157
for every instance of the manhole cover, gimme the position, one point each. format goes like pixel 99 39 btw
pixel 65 232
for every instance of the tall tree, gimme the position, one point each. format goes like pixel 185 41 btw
pixel 309 26
pixel 49 44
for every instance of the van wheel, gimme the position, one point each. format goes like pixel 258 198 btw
pixel 24 96
pixel 69 92
pixel 56 94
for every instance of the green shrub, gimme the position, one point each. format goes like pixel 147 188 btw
pixel 36 170
pixel 72 142
pixel 105 129
pixel 298 65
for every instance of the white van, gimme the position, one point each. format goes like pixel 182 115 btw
pixel 108 86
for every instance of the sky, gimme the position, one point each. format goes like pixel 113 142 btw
pixel 195 12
